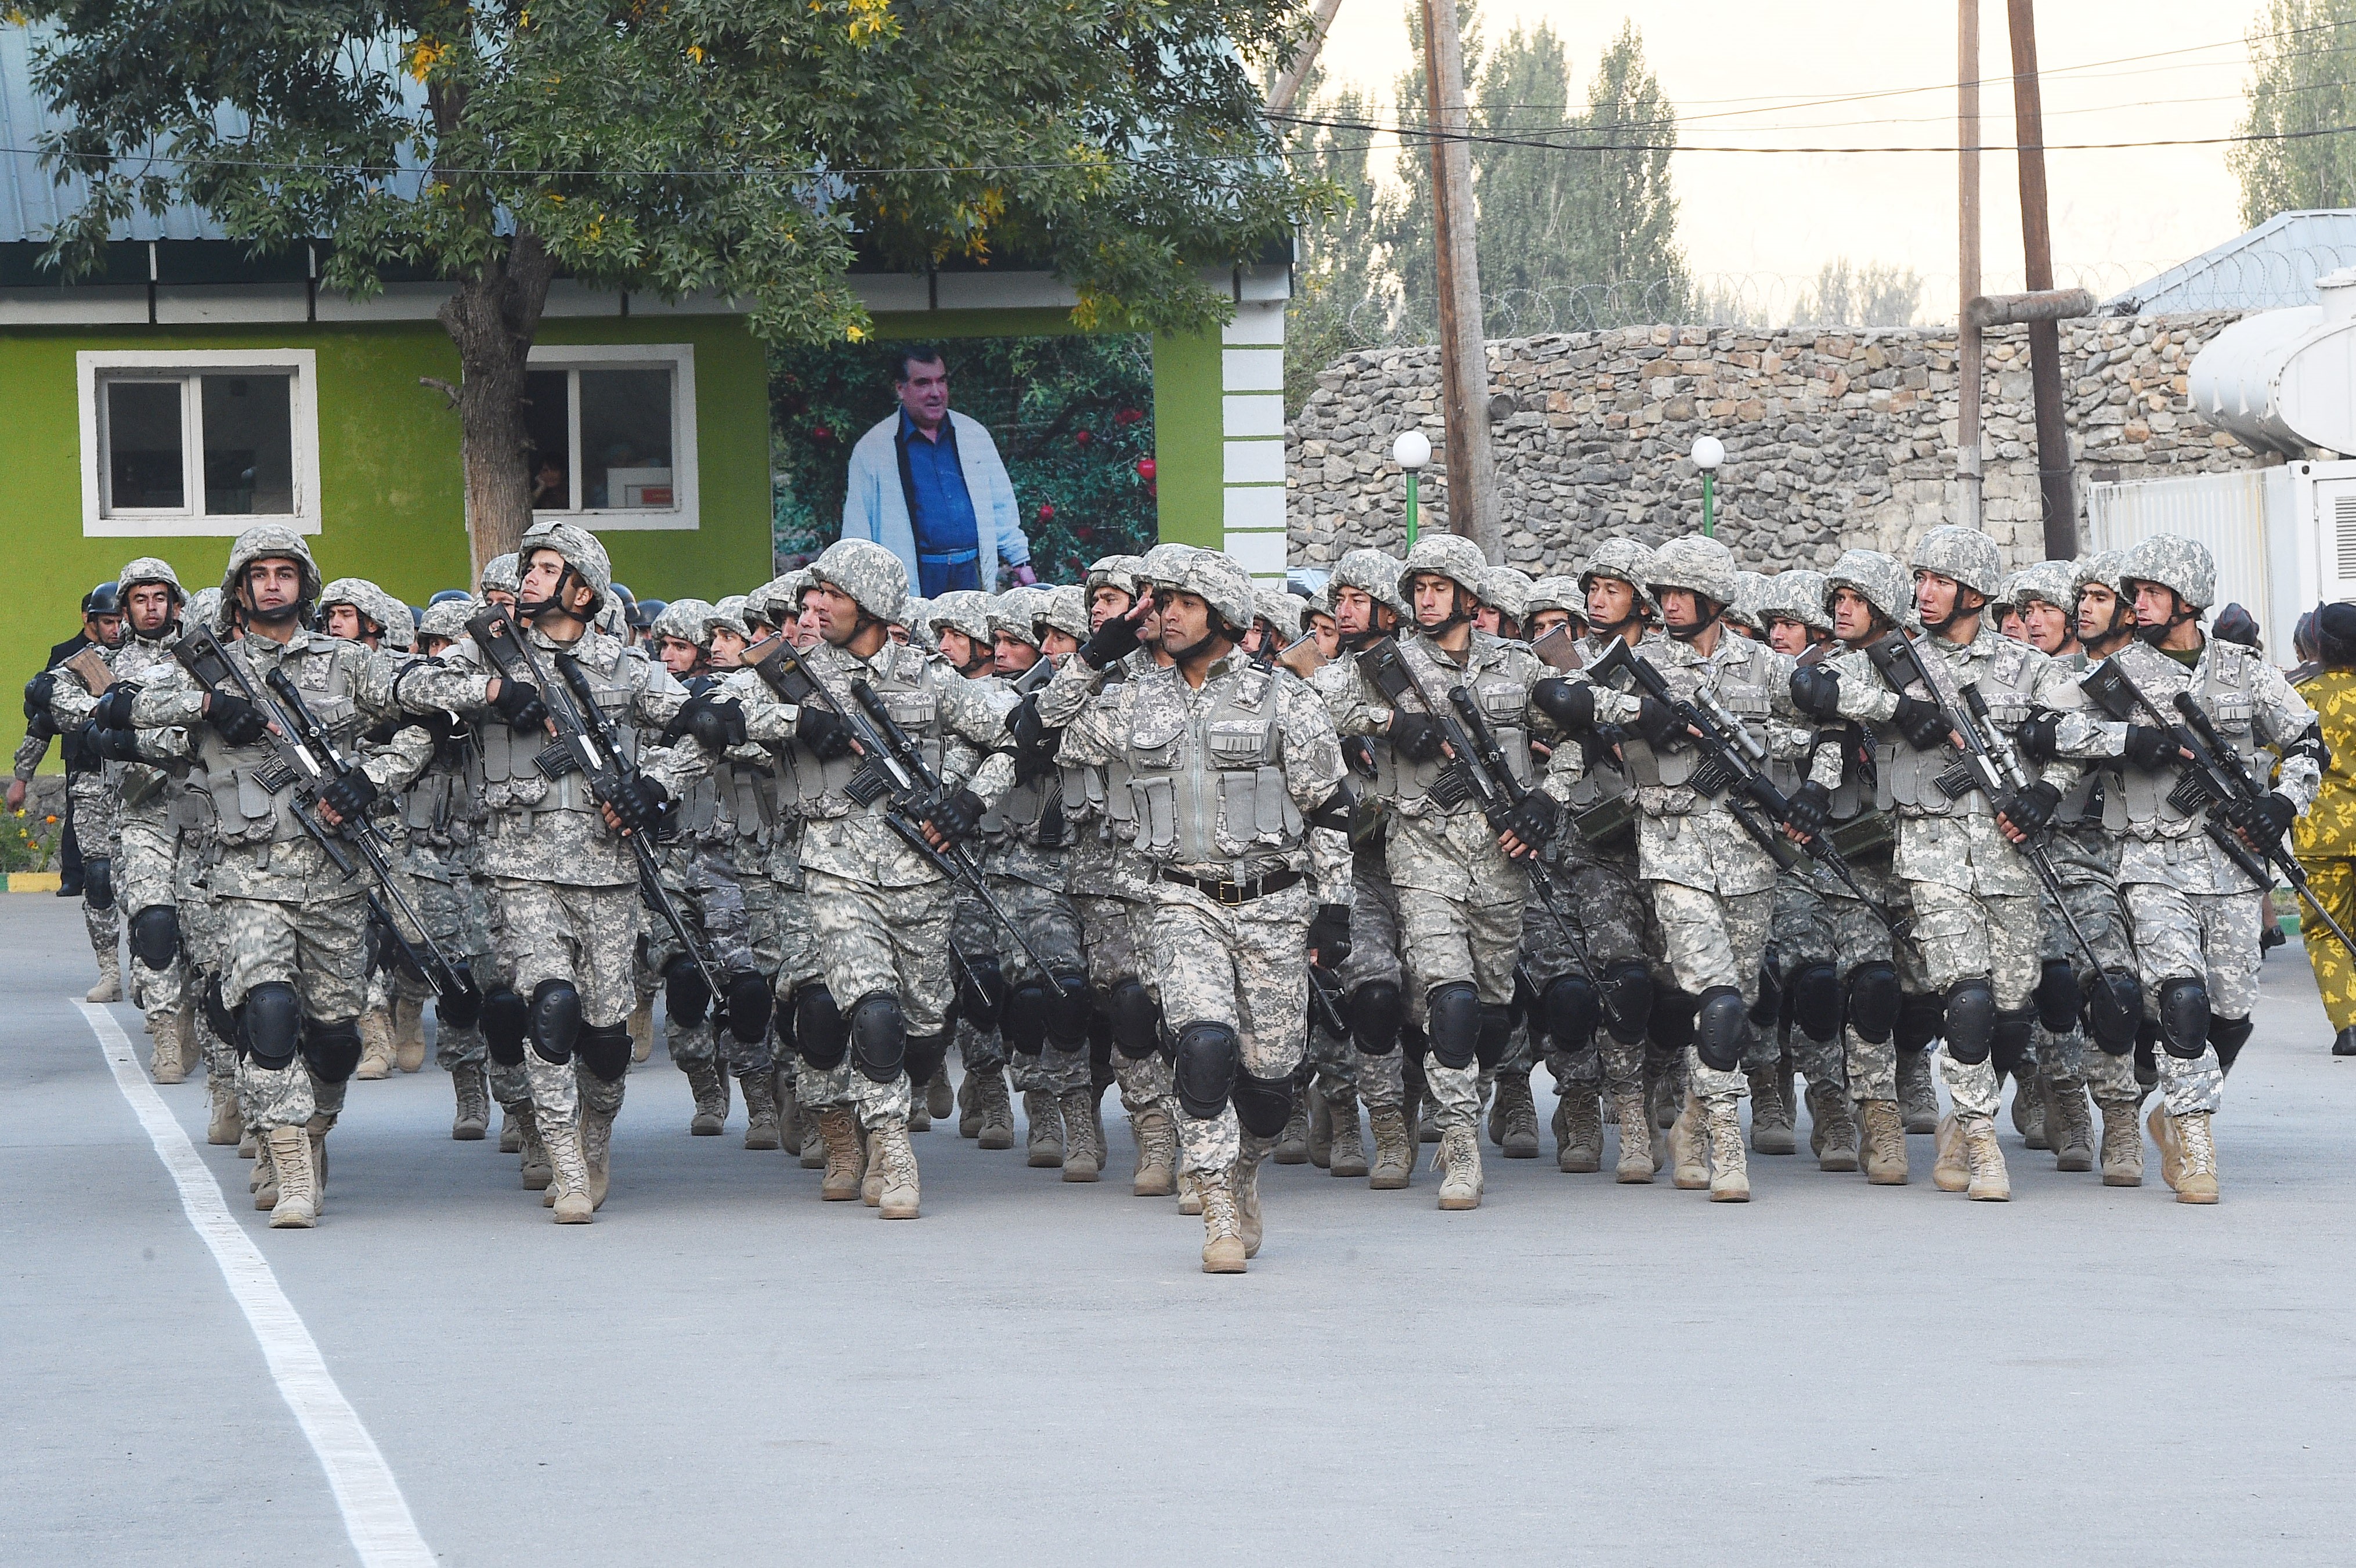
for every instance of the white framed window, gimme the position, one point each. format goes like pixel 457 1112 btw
pixel 612 429
pixel 198 441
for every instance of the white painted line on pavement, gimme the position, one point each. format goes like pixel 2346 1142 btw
pixel 376 1515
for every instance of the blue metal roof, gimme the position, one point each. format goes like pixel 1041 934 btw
pixel 2272 267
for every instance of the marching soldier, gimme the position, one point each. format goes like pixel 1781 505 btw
pixel 90 790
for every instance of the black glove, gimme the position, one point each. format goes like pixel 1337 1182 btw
pixel 825 732
pixel 1023 724
pixel 640 802
pixel 1809 808
pixel 1415 737
pixel 2148 748
pixel 959 817
pixel 1116 639
pixel 114 710
pixel 1658 722
pixel 1924 726
pixel 1534 818
pixel 519 705
pixel 2031 806
pixel 1570 703
pixel 2265 819
pixel 235 720
pixel 2038 736
pixel 37 692
pixel 1815 692
pixel 1329 935
pixel 350 796
pixel 115 744
pixel 716 722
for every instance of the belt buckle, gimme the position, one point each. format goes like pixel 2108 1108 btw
pixel 1237 889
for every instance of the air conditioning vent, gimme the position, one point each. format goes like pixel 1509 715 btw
pixel 2343 525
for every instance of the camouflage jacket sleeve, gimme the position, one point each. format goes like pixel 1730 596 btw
pixel 659 698
pixel 1075 682
pixel 1864 694
pixel 1354 709
pixel 29 752
pixel 1314 769
pixel 1093 734
pixel 969 713
pixel 396 764
pixel 2283 717
pixel 1827 758
pixel 2054 687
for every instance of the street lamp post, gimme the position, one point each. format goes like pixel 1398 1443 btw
pixel 1708 452
pixel 1411 451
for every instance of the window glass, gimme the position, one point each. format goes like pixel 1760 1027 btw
pixel 625 425
pixel 249 434
pixel 547 422
pixel 144 461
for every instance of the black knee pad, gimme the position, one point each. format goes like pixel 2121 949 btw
pixel 273 1025
pixel 155 936
pixel 2146 1054
pixel 2057 997
pixel 1569 1011
pixel 1872 1003
pixel 982 991
pixel 2184 1017
pixel 1262 1104
pixel 1209 1058
pixel 1453 1011
pixel 1136 1021
pixel 218 1012
pixel 556 1023
pixel 925 1055
pixel 1721 1028
pixel 686 994
pixel 605 1050
pixel 1068 1005
pixel 1377 1011
pixel 1628 1001
pixel 1769 1007
pixel 2228 1035
pixel 1968 1021
pixel 1099 1039
pixel 1670 1023
pixel 331 1050
pixel 748 1005
pixel 819 1033
pixel 465 1010
pixel 1919 1017
pixel 2008 1043
pixel 1817 1001
pixel 1022 1023
pixel 98 886
pixel 505 1019
pixel 2113 1025
pixel 879 1037
pixel 1497 1034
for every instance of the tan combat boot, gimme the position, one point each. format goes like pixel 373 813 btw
pixel 1983 1155
pixel 1636 1164
pixel 2028 1111
pixel 171 1057
pixel 1348 1155
pixel 939 1099
pixel 1661 1101
pixel 642 1030
pixel 296 1205
pixel 1458 1161
pixel 1578 1142
pixel 920 1109
pixel 262 1180
pixel 898 1194
pixel 1730 1171
pixel 228 1122
pixel 968 1109
pixel 2163 1132
pixel 1514 1115
pixel 1918 1091
pixel 871 1176
pixel 2069 1125
pixel 1223 1242
pixel 409 1033
pixel 1320 1126
pixel 1832 1127
pixel 535 1173
pixel 2196 1159
pixel 109 977
pixel 1082 1155
pixel 1393 1153
pixel 597 1152
pixel 1885 1144
pixel 1688 1148
pixel 376 1044
pixel 1293 1143
pixel 568 1186
pixel 1157 1154
pixel 1190 1193
pixel 709 1086
pixel 1044 1146
pixel 995 1127
pixel 473 1118
pixel 1244 1184
pixel 839 1130
pixel 2122 1144
pixel 511 1132
pixel 1950 1172
pixel 1771 1114
pixel 761 1128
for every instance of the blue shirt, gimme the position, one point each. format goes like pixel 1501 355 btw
pixel 933 476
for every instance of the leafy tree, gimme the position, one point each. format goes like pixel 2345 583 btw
pixel 740 148
pixel 2299 82
pixel 1628 221
pixel 1341 287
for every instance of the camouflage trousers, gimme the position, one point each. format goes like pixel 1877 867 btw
pixel 318 946
pixel 585 936
pixel 976 936
pixel 1114 928
pixel 2208 937
pixel 875 941
pixel 1815 924
pixel 1050 921
pixel 453 913
pixel 146 872
pixel 1960 935
pixel 711 897
pixel 1713 940
pixel 1614 921
pixel 1245 966
pixel 203 956
pixel 1375 936
pixel 2068 1055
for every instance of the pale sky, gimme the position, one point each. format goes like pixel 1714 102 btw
pixel 2118 216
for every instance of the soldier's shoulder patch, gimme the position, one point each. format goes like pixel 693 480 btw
pixel 1252 688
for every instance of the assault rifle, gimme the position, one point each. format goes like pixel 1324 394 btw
pixel 1325 1006
pixel 894 771
pixel 2210 774
pixel 584 745
pixel 1733 757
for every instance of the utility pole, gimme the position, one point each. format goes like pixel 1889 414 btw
pixel 1968 262
pixel 1287 86
pixel 2037 250
pixel 1464 350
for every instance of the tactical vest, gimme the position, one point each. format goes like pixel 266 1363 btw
pixel 2003 679
pixel 898 678
pixel 1104 792
pixel 254 794
pixel 2226 687
pixel 1740 683
pixel 512 780
pixel 1208 787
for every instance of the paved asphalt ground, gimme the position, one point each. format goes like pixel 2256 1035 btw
pixel 722 1369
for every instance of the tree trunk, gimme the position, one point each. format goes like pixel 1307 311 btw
pixel 492 318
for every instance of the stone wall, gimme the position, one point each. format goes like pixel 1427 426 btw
pixel 1833 438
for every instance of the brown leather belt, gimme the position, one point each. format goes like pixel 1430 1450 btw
pixel 1232 893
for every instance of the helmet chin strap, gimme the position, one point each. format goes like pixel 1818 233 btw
pixel 1687 633
pixel 1956 612
pixel 1216 631
pixel 532 609
pixel 1457 614
pixel 2156 635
